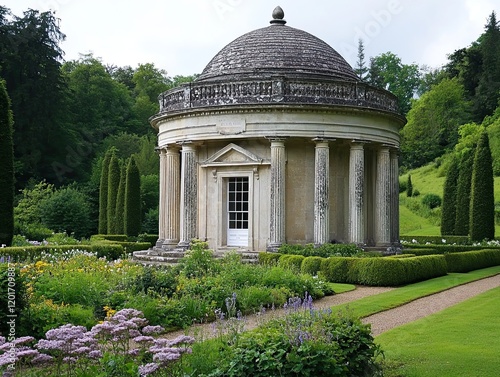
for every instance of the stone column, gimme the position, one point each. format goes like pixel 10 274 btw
pixel 189 195
pixel 321 192
pixel 161 206
pixel 383 198
pixel 277 207
pixel 395 195
pixel 356 193
pixel 171 193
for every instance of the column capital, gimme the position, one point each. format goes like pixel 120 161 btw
pixel 277 139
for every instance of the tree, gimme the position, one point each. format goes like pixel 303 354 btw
pixel 463 192
pixel 488 89
pixel 120 201
pixel 67 210
pixel 388 72
pixel 113 185
pixel 103 194
pixel 409 187
pixel 133 199
pixel 361 69
pixel 30 62
pixel 482 205
pixel 433 121
pixel 6 169
pixel 449 207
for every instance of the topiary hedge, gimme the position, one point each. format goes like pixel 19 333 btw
pixel 311 265
pixel 25 253
pixel 325 250
pixel 269 259
pixel 472 260
pixel 386 271
pixel 443 249
pixel 436 240
pixel 292 262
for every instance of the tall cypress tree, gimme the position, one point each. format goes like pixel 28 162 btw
pixel 103 194
pixel 120 201
pixel 409 187
pixel 463 193
pixel 449 208
pixel 482 205
pixel 133 199
pixel 6 168
pixel 113 184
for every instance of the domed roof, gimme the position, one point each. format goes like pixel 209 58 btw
pixel 278 50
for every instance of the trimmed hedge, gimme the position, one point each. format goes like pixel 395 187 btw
pixel 443 249
pixel 311 265
pixel 150 238
pixel 420 252
pixel 110 237
pixel 437 240
pixel 472 260
pixel 292 262
pixel 388 271
pixel 23 253
pixel 269 259
pixel 326 250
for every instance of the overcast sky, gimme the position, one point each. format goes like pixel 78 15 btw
pixel 181 36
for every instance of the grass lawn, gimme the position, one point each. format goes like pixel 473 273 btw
pixel 459 341
pixel 397 297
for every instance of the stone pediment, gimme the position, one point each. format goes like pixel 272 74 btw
pixel 233 154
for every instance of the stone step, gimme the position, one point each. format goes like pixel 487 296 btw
pixel 169 257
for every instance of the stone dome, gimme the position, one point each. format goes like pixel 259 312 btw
pixel 278 50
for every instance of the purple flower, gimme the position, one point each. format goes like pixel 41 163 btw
pixel 147 330
pixel 23 339
pixel 96 354
pixel 165 357
pixel 41 358
pixel 182 339
pixel 146 370
pixel 143 339
pixel 2 340
pixel 48 345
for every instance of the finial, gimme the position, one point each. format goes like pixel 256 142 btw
pixel 278 16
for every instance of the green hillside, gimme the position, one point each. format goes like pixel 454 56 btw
pixel 417 221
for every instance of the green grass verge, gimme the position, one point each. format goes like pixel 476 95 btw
pixel 341 288
pixel 459 341
pixel 400 296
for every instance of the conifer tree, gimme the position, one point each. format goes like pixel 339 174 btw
pixel 6 168
pixel 132 199
pixel 482 205
pixel 409 187
pixel 113 184
pixel 120 201
pixel 449 207
pixel 103 194
pixel 463 193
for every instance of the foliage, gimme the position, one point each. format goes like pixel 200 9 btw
pixel 113 188
pixel 449 209
pixel 431 200
pixel 6 168
pixel 409 187
pixel 120 202
pixel 132 199
pixel 307 342
pixel 32 253
pixel 482 205
pixel 27 211
pixel 416 240
pixel 103 194
pixel 361 68
pixel 433 121
pixel 67 210
pixel 463 193
pixel 292 262
pixel 387 71
pixel 325 250
pixel 472 260
pixel 311 265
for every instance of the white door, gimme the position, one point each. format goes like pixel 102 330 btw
pixel 237 211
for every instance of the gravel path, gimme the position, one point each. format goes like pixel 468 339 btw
pixel 380 322
pixel 425 306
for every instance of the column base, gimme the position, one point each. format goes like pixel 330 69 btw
pixel 273 247
pixel 184 245
pixel 159 243
pixel 169 244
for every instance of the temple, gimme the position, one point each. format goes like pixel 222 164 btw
pixel 278 141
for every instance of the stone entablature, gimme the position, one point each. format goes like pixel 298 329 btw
pixel 279 90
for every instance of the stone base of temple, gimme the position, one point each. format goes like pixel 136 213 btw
pixel 160 256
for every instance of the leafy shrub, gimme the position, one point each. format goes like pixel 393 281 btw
pixel 431 200
pixel 472 260
pixel 198 260
pixel 109 237
pixel 339 270
pixel 292 262
pixel 311 265
pixel 416 193
pixel 305 343
pixel 269 259
pixel 150 238
pixel 325 250
pixel 30 253
pixel 403 184
pixel 35 232
pixel 67 210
